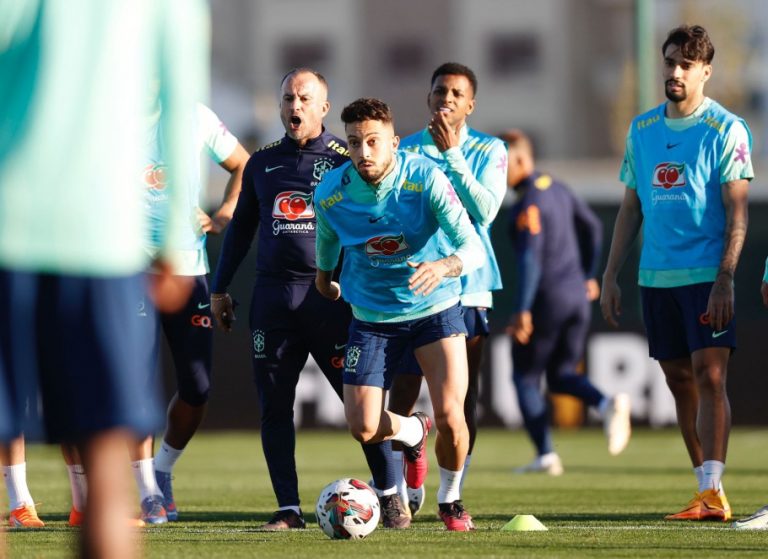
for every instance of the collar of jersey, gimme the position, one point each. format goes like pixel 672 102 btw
pixel 680 124
pixel 429 147
pixel 362 192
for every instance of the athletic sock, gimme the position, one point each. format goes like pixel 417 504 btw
pixel 713 473
pixel 379 458
pixel 144 473
pixel 450 486
pixel 467 461
pixel 411 431
pixel 402 488
pixel 296 509
pixel 699 473
pixel 166 457
pixel 78 486
pixel 15 477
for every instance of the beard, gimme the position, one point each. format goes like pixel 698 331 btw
pixel 675 96
pixel 375 174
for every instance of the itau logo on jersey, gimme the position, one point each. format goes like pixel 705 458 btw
pixel 669 175
pixel 385 245
pixel 293 205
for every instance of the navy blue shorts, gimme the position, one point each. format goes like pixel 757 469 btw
pixel 377 351
pixel 76 342
pixel 190 338
pixel 559 335
pixel 677 324
pixel 291 320
pixel 476 323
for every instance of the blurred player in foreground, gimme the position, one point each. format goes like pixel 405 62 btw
pixel 406 239
pixel 687 169
pixel 71 228
pixel 557 241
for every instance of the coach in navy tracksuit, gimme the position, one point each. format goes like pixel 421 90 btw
pixel 557 241
pixel 289 319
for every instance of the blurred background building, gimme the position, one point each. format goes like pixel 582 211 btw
pixel 565 71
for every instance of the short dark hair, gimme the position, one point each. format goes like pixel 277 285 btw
pixel 455 69
pixel 367 108
pixel 693 41
pixel 517 139
pixel 305 70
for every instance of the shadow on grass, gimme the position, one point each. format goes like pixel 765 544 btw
pixel 257 518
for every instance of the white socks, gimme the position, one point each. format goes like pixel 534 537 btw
pixel 144 473
pixel 411 431
pixel 450 486
pixel 709 475
pixel 16 483
pixel 166 457
pixel 78 485
pixel 467 461
pixel 402 488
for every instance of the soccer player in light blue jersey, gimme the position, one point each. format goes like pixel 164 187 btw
pixel 687 169
pixel 476 164
pixel 189 331
pixel 406 240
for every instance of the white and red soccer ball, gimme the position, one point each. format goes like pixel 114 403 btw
pixel 347 509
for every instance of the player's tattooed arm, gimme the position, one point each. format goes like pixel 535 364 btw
pixel 721 304
pixel 428 275
pixel 454 265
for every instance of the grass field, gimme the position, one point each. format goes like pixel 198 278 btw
pixel 601 507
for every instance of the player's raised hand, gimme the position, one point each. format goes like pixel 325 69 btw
pixel 610 302
pixel 442 133
pixel 223 310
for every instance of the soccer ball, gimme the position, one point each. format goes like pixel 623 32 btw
pixel 415 499
pixel 347 509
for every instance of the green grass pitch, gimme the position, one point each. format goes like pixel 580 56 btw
pixel 601 507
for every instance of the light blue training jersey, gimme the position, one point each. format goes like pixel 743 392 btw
pixel 477 168
pixel 412 215
pixel 74 83
pixel 210 136
pixel 677 167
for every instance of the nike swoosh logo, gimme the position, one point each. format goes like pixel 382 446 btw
pixel 201 306
pixel 270 169
pixel 337 347
pixel 670 146
pixel 718 334
pixel 375 219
